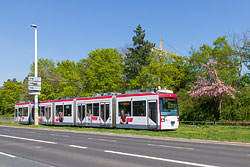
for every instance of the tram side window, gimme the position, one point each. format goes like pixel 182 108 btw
pixel 96 109
pixel 25 111
pixel 41 111
pixel 107 111
pixel 126 106
pixel 139 108
pixel 20 110
pixel 15 112
pixel 89 109
pixel 59 108
pixel 79 111
pixel 67 110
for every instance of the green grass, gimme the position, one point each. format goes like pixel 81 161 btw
pixel 7 122
pixel 7 115
pixel 215 132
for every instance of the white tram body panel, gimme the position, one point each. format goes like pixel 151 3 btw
pixel 136 108
pixel 64 112
pixel 22 113
pixel 94 111
pixel 45 112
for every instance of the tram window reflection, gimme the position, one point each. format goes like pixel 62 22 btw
pixel 59 108
pixel 89 109
pixel 139 108
pixel 96 109
pixel 25 111
pixel 126 106
pixel 67 110
pixel 20 112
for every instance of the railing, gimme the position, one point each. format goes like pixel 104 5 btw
pixel 215 123
pixel 7 120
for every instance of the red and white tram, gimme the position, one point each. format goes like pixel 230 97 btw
pixel 139 109
pixel 22 113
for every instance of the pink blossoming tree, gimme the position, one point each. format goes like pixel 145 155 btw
pixel 212 87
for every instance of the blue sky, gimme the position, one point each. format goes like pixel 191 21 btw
pixel 70 29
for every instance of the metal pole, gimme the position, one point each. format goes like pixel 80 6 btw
pixel 36 96
pixel 36 52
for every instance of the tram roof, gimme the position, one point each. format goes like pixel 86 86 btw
pixel 92 98
pixel 148 94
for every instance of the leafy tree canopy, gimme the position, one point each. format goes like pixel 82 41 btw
pixel 104 72
pixel 10 94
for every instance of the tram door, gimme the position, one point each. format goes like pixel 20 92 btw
pixel 89 113
pixel 152 114
pixel 47 113
pixel 32 115
pixel 105 112
pixel 81 113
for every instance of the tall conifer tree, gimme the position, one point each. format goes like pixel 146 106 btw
pixel 136 58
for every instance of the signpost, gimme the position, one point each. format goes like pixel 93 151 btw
pixel 36 79
pixel 34 83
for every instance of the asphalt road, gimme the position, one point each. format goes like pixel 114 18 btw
pixel 45 148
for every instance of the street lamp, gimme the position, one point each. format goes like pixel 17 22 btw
pixel 36 96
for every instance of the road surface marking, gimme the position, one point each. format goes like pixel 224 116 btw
pixel 31 132
pixel 160 159
pixel 75 146
pixel 38 147
pixel 186 148
pixel 8 155
pixel 102 139
pixel 65 136
pixel 28 139
pixel 59 135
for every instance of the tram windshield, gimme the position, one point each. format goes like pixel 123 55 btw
pixel 168 106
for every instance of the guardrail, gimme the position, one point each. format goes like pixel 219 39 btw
pixel 7 120
pixel 215 123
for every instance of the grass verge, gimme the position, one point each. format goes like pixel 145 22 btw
pixel 215 132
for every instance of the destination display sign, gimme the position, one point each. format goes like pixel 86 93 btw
pixel 34 87
pixel 35 79
pixel 34 83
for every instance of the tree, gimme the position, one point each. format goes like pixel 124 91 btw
pixel 223 54
pixel 104 72
pixel 237 109
pixel 246 54
pixel 210 85
pixel 46 69
pixel 10 94
pixel 69 79
pixel 163 70
pixel 241 45
pixel 136 58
